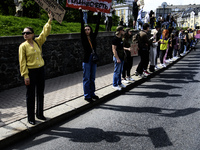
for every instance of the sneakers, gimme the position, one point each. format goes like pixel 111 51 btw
pixel 156 67
pixel 146 73
pixel 142 76
pixel 163 65
pixel 125 81
pixel 129 79
pixel 117 88
pixel 136 73
pixel 122 86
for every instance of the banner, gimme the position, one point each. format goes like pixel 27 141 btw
pixel 92 5
pixel 58 12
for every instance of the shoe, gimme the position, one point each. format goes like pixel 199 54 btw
pixel 117 88
pixel 31 122
pixel 142 76
pixel 89 100
pixel 136 73
pixel 156 68
pixel 125 81
pixel 41 117
pixel 129 79
pixel 146 73
pixel 164 65
pixel 167 60
pixel 95 97
pixel 161 65
pixel 122 86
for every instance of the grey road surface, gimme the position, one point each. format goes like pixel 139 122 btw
pixel 162 113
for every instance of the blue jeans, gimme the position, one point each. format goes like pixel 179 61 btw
pixel 118 68
pixel 85 17
pixel 89 73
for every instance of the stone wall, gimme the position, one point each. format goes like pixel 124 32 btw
pixel 63 54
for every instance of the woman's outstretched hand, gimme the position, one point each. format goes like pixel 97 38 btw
pixel 50 16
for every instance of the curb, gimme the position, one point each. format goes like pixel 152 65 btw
pixel 74 110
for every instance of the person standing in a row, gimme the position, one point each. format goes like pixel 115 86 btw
pixel 32 69
pixel 118 58
pixel 143 52
pixel 163 46
pixel 89 44
pixel 127 40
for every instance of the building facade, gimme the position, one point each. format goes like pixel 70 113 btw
pixel 124 11
pixel 185 15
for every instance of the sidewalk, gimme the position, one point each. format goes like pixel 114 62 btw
pixel 63 98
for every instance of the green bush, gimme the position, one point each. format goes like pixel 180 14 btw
pixel 11 25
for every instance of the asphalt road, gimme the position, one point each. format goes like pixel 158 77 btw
pixel 162 113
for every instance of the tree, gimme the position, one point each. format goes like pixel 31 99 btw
pixel 7 7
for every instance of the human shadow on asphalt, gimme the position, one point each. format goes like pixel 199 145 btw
pixel 159 86
pixel 153 94
pixel 158 136
pixel 164 112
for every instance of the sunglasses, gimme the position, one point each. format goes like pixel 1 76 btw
pixel 27 33
pixel 87 29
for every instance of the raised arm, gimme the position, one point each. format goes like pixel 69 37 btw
pixel 45 32
pixel 97 25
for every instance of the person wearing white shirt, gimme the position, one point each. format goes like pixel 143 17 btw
pixel 139 19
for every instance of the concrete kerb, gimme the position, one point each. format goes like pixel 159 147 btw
pixel 20 129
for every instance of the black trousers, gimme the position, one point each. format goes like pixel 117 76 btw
pixel 37 84
pixel 169 53
pixel 162 54
pixel 128 63
pixel 144 61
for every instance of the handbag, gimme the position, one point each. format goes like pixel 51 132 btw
pixel 95 57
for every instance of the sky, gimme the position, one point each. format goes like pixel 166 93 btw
pixel 153 4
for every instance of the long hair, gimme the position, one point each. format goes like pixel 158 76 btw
pixel 91 31
pixel 165 33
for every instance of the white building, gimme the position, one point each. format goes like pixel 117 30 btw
pixel 124 11
pixel 190 18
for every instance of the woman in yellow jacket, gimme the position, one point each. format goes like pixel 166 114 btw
pixel 32 69
pixel 163 46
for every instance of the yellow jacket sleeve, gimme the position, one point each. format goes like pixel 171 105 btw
pixel 23 61
pixel 45 32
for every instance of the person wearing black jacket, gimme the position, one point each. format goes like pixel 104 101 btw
pixel 89 44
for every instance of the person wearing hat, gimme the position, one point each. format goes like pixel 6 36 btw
pixel 118 58
pixel 128 62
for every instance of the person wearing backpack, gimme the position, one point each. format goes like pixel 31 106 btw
pixel 143 44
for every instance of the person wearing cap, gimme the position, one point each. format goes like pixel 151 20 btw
pixel 128 62
pixel 118 58
pixel 32 69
